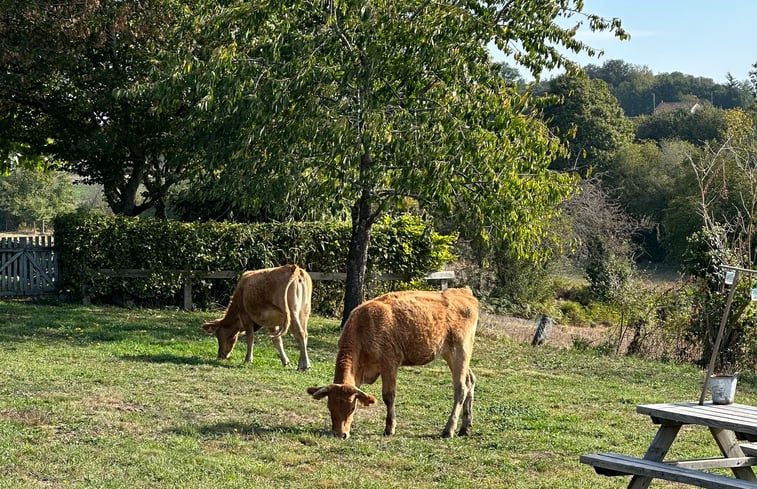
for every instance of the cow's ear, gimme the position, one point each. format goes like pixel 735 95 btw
pixel 318 393
pixel 365 399
pixel 210 327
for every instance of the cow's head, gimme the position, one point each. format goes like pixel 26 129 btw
pixel 227 337
pixel 342 402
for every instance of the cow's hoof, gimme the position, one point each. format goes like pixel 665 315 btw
pixel 447 434
pixel 464 432
pixel 388 432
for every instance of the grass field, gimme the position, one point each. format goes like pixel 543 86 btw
pixel 118 398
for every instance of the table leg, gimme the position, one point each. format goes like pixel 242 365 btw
pixel 729 445
pixel 656 451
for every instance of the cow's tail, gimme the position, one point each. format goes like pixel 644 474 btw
pixel 293 282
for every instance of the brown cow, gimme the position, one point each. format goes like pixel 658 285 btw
pixel 403 328
pixel 271 298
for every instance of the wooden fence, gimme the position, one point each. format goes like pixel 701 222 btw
pixel 28 266
pixel 440 278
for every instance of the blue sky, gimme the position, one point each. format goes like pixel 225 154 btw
pixel 707 38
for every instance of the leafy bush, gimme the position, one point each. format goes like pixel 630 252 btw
pixel 526 286
pixel 573 313
pixel 607 272
pixel 405 245
pixel 705 254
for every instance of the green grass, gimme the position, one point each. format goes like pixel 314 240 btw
pixel 117 398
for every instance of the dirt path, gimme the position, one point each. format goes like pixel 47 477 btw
pixel 523 330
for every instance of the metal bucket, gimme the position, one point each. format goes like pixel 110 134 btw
pixel 723 388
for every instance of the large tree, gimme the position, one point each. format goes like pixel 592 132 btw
pixel 36 196
pixel 589 119
pixel 639 90
pixel 64 67
pixel 367 103
pixel 698 127
pixel 632 85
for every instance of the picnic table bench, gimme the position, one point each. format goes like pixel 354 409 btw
pixel 728 424
pixel 612 464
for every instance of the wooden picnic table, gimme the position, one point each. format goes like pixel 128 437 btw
pixel 729 425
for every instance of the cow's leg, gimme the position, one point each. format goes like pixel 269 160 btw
pixel 280 348
pixel 458 364
pixel 389 394
pixel 299 310
pixel 249 332
pixel 300 333
pixel 465 427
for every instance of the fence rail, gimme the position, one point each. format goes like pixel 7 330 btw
pixel 441 278
pixel 28 266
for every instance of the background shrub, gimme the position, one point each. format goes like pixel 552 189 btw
pixel 405 245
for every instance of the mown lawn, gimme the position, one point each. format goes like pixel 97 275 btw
pixel 117 398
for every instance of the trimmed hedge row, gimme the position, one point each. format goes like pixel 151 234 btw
pixel 405 245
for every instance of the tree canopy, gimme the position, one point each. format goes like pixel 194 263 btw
pixel 34 196
pixel 695 127
pixel 63 67
pixel 362 104
pixel 639 91
pixel 587 116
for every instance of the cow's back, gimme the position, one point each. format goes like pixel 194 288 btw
pixel 262 293
pixel 413 326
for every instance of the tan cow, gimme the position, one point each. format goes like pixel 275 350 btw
pixel 396 329
pixel 271 298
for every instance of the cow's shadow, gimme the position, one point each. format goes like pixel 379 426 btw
pixel 167 358
pixel 253 429
pixel 247 429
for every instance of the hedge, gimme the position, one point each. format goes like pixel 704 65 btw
pixel 405 245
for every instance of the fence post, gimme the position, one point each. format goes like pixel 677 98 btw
pixel 187 286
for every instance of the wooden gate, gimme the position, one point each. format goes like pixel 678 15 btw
pixel 28 266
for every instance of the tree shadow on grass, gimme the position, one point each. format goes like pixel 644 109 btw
pixel 85 326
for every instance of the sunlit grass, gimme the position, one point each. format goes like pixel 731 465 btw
pixel 117 398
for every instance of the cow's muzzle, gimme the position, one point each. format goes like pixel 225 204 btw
pixel 343 436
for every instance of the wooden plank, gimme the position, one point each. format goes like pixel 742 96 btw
pixel 657 450
pixel 22 273
pixel 716 463
pixel 729 445
pixel 226 274
pixel 40 277
pixel 187 286
pixel 749 449
pixel 327 276
pixel 28 266
pixel 124 273
pixel 442 277
pixel 616 463
pixel 144 273
pixel 9 260
pixel 736 417
pixel 218 274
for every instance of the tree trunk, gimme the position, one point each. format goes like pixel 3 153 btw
pixel 122 195
pixel 160 208
pixel 357 258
